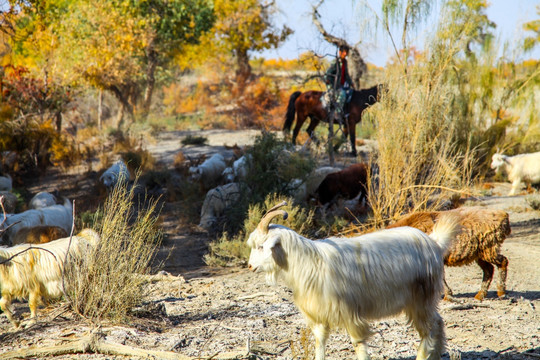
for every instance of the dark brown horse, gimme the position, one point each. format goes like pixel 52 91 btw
pixel 308 104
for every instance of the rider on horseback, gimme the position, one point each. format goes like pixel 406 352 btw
pixel 337 79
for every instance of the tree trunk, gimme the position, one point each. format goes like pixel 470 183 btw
pixel 125 108
pixel 243 71
pixel 357 67
pixel 58 117
pixel 150 80
pixel 100 109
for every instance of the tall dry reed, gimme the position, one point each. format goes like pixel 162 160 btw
pixel 106 283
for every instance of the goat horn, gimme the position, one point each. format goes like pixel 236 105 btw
pixel 272 213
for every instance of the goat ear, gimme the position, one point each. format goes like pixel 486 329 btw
pixel 278 254
pixel 273 242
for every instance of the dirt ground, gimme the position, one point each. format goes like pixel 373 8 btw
pixel 201 312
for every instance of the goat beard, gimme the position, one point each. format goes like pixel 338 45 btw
pixel 272 277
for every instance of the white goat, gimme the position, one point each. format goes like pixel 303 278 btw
pixel 35 272
pixel 523 167
pixel 344 282
pixel 118 172
pixel 216 201
pixel 238 171
pixel 56 215
pixel 209 171
pixel 6 183
pixel 42 200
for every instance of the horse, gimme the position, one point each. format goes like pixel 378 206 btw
pixel 308 104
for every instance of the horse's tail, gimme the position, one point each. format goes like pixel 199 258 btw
pixel 291 111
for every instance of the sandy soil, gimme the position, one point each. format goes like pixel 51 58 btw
pixel 202 312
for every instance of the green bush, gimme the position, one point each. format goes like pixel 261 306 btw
pixel 274 167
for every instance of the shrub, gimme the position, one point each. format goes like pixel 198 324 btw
pixel 106 283
pixel 233 251
pixel 274 166
pixel 194 140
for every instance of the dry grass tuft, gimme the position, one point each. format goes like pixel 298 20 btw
pixel 105 283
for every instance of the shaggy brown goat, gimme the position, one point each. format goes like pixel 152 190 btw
pixel 483 232
pixel 348 182
pixel 39 234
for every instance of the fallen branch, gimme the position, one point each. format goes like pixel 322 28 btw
pixel 255 295
pixel 90 344
pixel 467 306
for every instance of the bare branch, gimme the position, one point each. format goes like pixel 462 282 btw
pixel 357 65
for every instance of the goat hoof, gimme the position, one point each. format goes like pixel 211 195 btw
pixel 449 297
pixel 501 294
pixel 480 296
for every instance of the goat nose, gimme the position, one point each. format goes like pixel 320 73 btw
pixel 250 267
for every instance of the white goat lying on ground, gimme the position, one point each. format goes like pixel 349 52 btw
pixel 344 282
pixel 56 215
pixel 118 172
pixel 6 184
pixel 216 201
pixel 209 171
pixel 520 168
pixel 42 200
pixel 36 274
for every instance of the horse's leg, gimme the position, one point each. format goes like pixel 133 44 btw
pixel 314 121
pixel 300 118
pixel 352 134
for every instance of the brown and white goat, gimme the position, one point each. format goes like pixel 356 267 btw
pixel 484 231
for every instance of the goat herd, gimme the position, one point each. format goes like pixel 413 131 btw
pixel 336 282
pixel 344 282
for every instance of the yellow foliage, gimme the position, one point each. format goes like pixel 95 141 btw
pixel 64 153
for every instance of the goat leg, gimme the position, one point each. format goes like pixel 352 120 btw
pixel 502 264
pixel 5 305
pixel 487 268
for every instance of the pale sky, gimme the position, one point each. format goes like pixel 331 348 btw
pixel 347 18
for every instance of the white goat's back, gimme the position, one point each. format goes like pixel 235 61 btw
pixel 56 215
